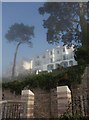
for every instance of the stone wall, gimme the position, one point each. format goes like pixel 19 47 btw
pixel 10 95
pixel 45 104
pixel 54 107
pixel 46 101
pixel 42 105
pixel 80 95
pixel 85 90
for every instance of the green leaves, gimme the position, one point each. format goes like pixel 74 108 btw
pixel 69 19
pixel 20 33
pixel 82 55
pixel 67 76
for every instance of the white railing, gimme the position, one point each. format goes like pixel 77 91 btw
pixel 12 109
pixel 23 108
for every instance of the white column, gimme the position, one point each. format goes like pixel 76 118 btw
pixel 64 100
pixel 28 97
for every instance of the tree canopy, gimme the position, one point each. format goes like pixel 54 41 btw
pixel 66 22
pixel 21 34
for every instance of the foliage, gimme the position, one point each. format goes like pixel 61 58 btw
pixel 82 55
pixel 66 22
pixel 70 31
pixel 21 34
pixel 66 76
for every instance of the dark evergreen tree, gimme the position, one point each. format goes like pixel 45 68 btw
pixel 21 34
pixel 66 22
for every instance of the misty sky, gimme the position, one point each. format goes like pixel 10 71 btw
pixel 27 13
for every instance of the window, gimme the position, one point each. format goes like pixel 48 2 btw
pixel 64 57
pixel 57 51
pixel 71 63
pixel 63 49
pixel 51 60
pixel 71 56
pixel 43 56
pixel 37 63
pixel 50 67
pixel 51 53
pixel 58 60
pixel 65 64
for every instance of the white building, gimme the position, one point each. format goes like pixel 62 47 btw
pixel 51 59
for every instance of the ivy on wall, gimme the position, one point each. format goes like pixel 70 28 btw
pixel 65 76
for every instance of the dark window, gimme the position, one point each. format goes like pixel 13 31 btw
pixel 65 64
pixel 43 56
pixel 64 57
pixel 51 60
pixel 50 67
pixel 63 49
pixel 37 63
pixel 51 53
pixel 58 52
pixel 71 63
pixel 58 60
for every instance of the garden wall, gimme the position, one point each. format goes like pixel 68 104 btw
pixel 45 104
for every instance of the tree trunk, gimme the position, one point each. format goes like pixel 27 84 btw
pixel 84 27
pixel 14 63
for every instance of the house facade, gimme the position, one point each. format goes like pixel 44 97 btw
pixel 53 58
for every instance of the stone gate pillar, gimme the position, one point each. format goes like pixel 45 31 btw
pixel 28 97
pixel 64 100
